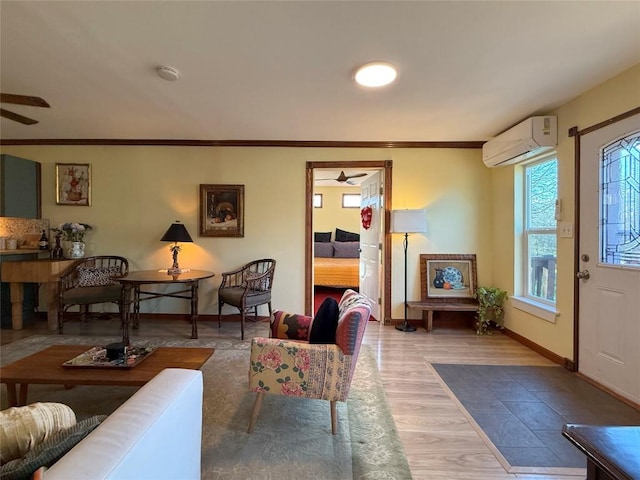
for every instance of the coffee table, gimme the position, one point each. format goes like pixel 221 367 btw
pixel 45 367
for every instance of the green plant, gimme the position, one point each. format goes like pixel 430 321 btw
pixel 491 308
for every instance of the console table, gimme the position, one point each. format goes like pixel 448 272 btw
pixel 430 307
pixel 134 294
pixel 46 271
pixel 613 453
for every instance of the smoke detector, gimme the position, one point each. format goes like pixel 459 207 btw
pixel 167 73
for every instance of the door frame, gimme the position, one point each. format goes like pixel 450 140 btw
pixel 386 166
pixel 574 132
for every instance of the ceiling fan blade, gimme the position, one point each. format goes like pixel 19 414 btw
pixel 23 100
pixel 17 118
pixel 357 175
pixel 350 182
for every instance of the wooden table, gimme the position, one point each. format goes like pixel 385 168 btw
pixel 134 280
pixel 613 453
pixel 45 367
pixel 45 271
pixel 431 307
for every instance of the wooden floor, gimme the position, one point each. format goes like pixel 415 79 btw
pixel 439 442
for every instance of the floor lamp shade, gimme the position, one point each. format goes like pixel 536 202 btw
pixel 407 221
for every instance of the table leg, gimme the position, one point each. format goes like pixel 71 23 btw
pixel 126 313
pixel 22 394
pixel 17 294
pixel 194 309
pixel 12 397
pixel 136 307
pixel 51 289
pixel 429 320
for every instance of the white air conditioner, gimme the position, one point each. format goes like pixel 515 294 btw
pixel 527 139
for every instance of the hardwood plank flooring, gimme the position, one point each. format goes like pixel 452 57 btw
pixel 439 442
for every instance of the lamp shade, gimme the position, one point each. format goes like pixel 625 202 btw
pixel 177 233
pixel 408 221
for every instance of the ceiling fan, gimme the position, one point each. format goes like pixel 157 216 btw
pixel 342 178
pixel 21 100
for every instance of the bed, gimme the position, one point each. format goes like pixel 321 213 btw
pixel 336 264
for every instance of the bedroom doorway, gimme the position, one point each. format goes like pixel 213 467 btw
pixel 332 172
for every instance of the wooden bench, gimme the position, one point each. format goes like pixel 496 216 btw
pixel 431 307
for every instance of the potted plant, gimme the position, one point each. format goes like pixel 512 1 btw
pixel 490 308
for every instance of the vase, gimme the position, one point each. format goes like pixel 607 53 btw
pixel 438 281
pixel 76 250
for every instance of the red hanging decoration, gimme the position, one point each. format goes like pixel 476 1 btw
pixel 365 214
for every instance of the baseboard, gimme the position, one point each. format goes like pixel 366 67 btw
pixel 548 354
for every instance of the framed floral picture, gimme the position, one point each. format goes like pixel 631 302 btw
pixel 73 184
pixel 447 277
pixel 222 210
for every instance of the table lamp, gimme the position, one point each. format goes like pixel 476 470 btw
pixel 407 221
pixel 177 233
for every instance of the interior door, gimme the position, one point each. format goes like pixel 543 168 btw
pixel 370 241
pixel 609 248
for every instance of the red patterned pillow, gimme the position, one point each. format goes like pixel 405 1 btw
pixel 290 326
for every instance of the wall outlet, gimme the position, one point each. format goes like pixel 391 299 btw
pixel 565 229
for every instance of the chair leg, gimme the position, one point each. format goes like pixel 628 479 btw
pixel 256 410
pixel 84 311
pixel 60 318
pixel 334 417
pixel 219 314
pixel 242 314
pixel 270 311
pixel 255 312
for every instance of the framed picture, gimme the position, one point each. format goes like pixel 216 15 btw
pixel 222 210
pixel 448 277
pixel 73 184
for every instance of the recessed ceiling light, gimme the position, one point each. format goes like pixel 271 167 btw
pixel 376 74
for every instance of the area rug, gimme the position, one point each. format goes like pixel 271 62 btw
pixel 292 437
pixel 519 412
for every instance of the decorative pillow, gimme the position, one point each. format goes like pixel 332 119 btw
pixel 346 249
pixel 289 326
pixel 96 277
pixel 50 451
pixel 258 286
pixel 23 428
pixel 343 236
pixel 323 250
pixel 322 236
pixel 323 328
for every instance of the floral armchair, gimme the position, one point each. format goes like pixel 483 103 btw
pixel 287 364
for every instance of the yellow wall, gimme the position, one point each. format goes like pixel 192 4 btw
pixel 611 98
pixel 332 215
pixel 138 192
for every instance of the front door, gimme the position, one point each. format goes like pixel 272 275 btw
pixel 370 241
pixel 609 249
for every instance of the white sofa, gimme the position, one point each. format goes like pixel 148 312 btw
pixel 156 434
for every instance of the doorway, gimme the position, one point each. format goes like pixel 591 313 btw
pixel 386 168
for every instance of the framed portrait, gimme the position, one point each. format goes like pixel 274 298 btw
pixel 73 184
pixel 221 210
pixel 448 277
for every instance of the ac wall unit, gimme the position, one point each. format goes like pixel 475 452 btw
pixel 527 139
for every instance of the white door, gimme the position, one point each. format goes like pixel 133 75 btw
pixel 370 241
pixel 609 266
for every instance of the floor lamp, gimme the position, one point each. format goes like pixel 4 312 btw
pixel 407 221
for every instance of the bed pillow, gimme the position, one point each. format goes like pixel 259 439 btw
pixel 323 250
pixel 322 237
pixel 344 236
pixel 346 249
pixel 323 328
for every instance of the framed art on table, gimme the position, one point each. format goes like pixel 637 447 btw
pixel 446 277
pixel 221 210
pixel 73 184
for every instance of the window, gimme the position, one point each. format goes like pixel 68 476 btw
pixel 539 234
pixel 317 200
pixel 350 200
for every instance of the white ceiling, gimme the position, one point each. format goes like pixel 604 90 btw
pixel 272 70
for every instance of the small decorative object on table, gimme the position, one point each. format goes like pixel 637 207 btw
pixel 110 356
pixel 74 232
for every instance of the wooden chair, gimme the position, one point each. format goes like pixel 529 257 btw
pixel 92 280
pixel 247 287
